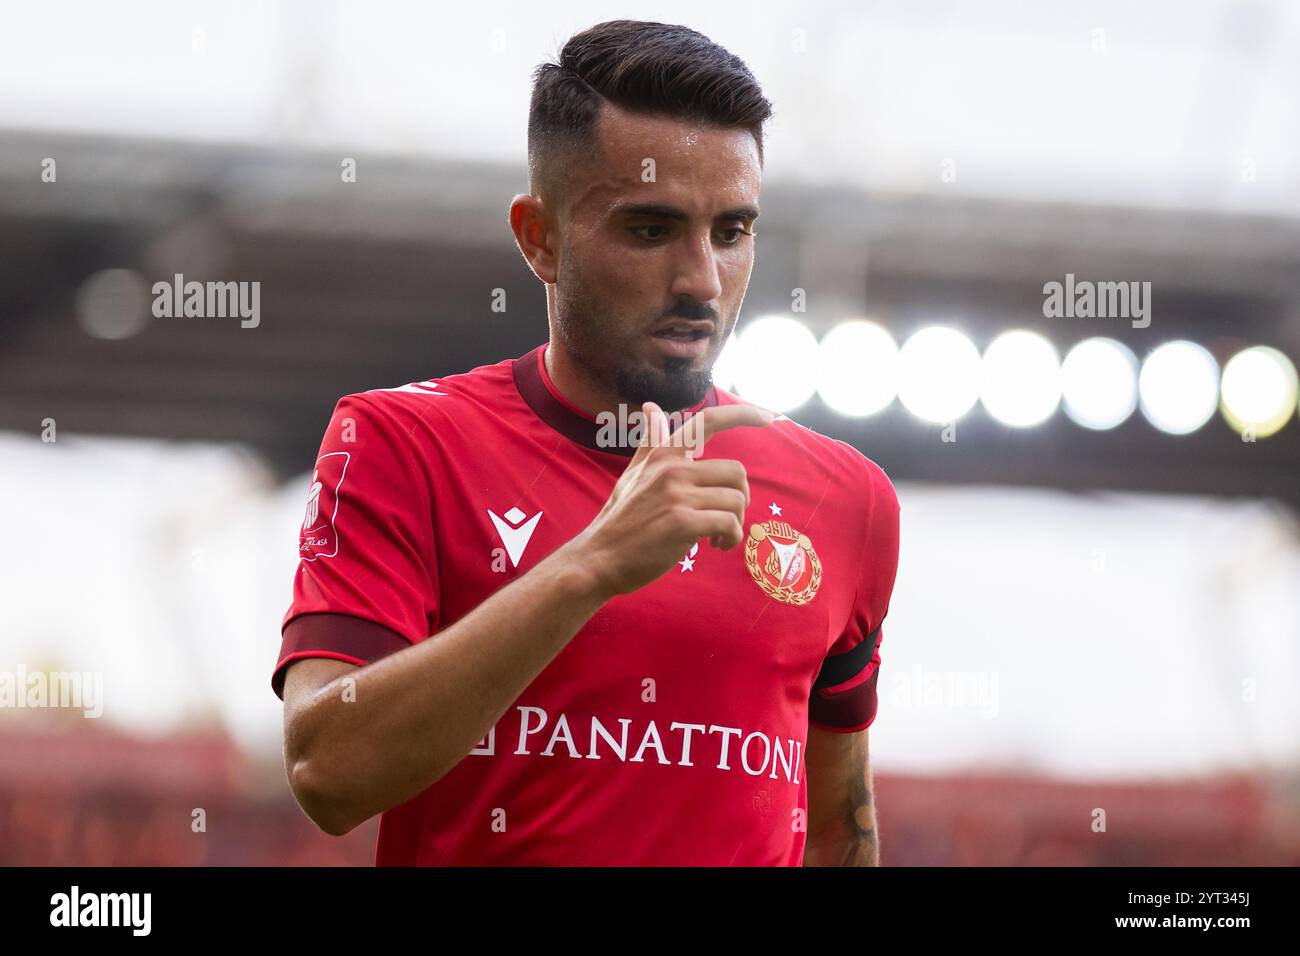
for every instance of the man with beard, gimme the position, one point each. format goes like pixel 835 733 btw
pixel 524 643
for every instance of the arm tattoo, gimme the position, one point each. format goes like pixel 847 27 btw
pixel 861 848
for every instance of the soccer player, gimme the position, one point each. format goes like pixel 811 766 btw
pixel 534 624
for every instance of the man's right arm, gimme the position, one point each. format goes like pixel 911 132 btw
pixel 410 717
pixel 352 751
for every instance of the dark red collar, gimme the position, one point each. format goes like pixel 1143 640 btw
pixel 541 395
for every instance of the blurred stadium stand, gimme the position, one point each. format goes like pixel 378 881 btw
pixel 89 798
pixel 97 799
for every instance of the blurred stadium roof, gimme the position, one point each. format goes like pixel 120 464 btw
pixel 1153 104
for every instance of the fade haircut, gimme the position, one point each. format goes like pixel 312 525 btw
pixel 657 69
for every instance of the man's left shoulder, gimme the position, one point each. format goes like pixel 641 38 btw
pixel 846 465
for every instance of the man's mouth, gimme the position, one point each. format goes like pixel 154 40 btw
pixel 681 335
pixel 684 330
pixel 683 339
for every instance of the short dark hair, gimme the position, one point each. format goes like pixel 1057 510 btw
pixel 654 68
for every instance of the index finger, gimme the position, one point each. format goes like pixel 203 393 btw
pixel 706 423
pixel 654 430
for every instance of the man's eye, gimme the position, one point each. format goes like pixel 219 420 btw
pixel 732 236
pixel 641 232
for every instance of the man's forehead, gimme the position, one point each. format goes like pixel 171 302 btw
pixel 656 158
pixel 622 129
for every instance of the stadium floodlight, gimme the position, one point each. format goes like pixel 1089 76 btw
pixel 776 363
pixel 1020 379
pixel 857 371
pixel 1099 383
pixel 1258 390
pixel 113 304
pixel 1178 388
pixel 724 369
pixel 938 374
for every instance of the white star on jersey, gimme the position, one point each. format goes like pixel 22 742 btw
pixel 688 562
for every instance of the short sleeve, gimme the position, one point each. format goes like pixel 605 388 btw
pixel 366 582
pixel 844 697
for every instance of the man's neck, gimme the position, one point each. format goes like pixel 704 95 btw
pixel 571 380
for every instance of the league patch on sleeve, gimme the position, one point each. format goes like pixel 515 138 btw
pixel 318 538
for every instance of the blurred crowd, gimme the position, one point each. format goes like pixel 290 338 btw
pixel 175 813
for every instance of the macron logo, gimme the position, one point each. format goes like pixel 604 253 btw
pixel 515 536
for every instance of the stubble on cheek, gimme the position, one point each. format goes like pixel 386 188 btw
pixel 591 333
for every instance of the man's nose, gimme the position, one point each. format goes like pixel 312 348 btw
pixel 697 272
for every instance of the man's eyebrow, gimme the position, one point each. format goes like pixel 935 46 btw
pixel 746 213
pixel 662 211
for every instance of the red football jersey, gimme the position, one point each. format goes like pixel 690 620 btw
pixel 671 729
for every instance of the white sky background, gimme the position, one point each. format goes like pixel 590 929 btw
pixel 1184 93
pixel 1112 633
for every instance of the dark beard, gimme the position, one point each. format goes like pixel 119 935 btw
pixel 676 387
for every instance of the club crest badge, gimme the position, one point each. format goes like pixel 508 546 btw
pixel 318 537
pixel 782 562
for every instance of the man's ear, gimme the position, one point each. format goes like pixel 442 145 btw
pixel 535 235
